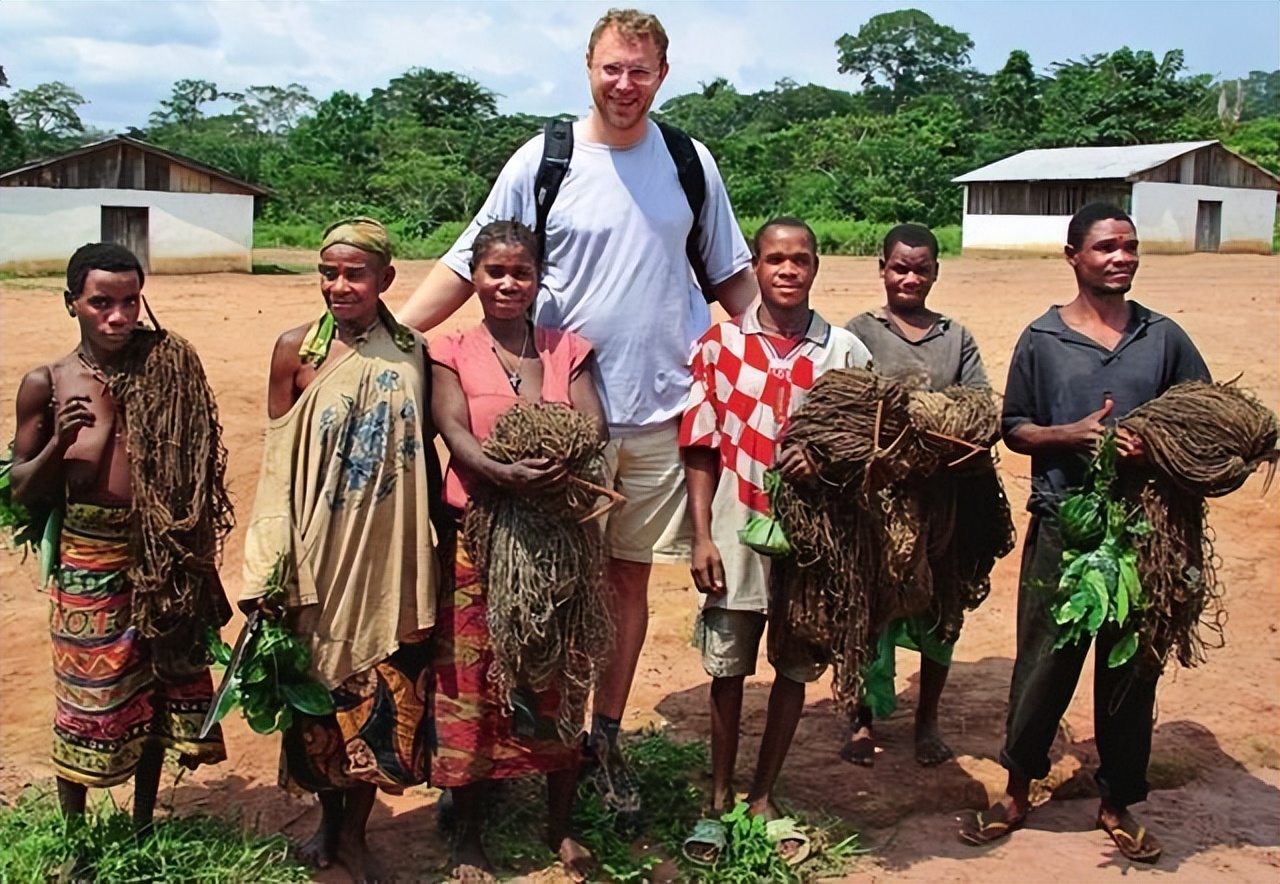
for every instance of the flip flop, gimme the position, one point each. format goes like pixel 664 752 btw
pixel 787 829
pixel 991 825
pixel 706 832
pixel 1135 848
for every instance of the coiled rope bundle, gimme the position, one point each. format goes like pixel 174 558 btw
pixel 180 513
pixel 1201 440
pixel 540 559
pixel 907 514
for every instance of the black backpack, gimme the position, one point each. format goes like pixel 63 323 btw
pixel 557 149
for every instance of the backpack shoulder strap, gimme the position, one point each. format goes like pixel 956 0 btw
pixel 557 148
pixel 694 184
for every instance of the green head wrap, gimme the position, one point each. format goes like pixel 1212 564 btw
pixel 365 234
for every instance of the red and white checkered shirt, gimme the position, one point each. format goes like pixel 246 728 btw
pixel 742 394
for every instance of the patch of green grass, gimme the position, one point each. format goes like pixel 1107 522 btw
pixel 669 774
pixel 36 841
pixel 33 281
pixel 406 241
pixel 279 269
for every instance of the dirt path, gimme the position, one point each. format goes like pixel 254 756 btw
pixel 1216 751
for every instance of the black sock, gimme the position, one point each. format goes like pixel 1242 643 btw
pixel 609 727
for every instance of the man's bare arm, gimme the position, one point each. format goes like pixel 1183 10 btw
pixel 737 292
pixel 701 472
pixel 1081 436
pixel 436 299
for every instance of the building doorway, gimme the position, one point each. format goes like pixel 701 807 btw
pixel 1208 225
pixel 128 226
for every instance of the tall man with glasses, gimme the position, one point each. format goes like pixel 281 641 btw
pixel 617 274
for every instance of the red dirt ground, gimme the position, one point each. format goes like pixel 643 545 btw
pixel 1216 751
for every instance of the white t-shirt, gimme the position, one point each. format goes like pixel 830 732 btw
pixel 616 271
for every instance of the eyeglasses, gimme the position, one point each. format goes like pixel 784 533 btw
pixel 639 76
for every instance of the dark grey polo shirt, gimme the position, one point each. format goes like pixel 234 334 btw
pixel 1058 376
pixel 947 353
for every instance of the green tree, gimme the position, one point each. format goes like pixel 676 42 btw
pixel 1013 100
pixel 226 141
pixel 13 147
pixel 183 106
pixel 275 110
pixel 789 103
pixel 1261 96
pixel 436 98
pixel 905 54
pixel 49 115
pixel 1259 140
pixel 711 115
pixel 1126 97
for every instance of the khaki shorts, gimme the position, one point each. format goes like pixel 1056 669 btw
pixel 647 470
pixel 730 642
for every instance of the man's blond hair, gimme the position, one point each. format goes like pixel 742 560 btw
pixel 633 25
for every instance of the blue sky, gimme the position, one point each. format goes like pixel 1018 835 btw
pixel 124 56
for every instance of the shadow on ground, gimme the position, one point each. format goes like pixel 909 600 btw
pixel 1187 764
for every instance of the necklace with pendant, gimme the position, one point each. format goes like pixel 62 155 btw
pixel 94 368
pixel 513 374
pixel 99 375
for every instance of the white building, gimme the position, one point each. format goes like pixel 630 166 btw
pixel 176 215
pixel 1193 196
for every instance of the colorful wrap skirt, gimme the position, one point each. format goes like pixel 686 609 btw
pixel 379 733
pixel 478 740
pixel 110 700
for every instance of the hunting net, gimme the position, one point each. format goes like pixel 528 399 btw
pixel 540 559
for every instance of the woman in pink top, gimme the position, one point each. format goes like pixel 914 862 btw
pixel 478 374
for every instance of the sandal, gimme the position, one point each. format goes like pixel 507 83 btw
pixel 706 844
pixel 785 829
pixel 991 825
pixel 1136 847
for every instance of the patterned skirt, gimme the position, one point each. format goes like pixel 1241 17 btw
pixel 109 699
pixel 478 740
pixel 379 733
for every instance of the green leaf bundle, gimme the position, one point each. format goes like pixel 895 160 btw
pixel 1099 582
pixel 31 530
pixel 271 681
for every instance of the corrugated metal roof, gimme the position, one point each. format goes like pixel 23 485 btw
pixel 1080 163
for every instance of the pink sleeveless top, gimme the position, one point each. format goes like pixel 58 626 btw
pixel 485 384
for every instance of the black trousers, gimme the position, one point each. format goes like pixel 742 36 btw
pixel 1044 680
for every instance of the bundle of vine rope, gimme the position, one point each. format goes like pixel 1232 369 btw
pixel 181 512
pixel 542 565
pixel 884 510
pixel 1202 440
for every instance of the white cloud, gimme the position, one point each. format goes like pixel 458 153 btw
pixel 125 56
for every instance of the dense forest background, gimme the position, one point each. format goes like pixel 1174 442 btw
pixel 422 152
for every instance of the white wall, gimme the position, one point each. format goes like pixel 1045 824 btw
pixel 190 232
pixel 1165 215
pixel 1033 234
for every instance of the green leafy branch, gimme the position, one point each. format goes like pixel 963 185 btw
pixel 271 680
pixel 34 530
pixel 1099 582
